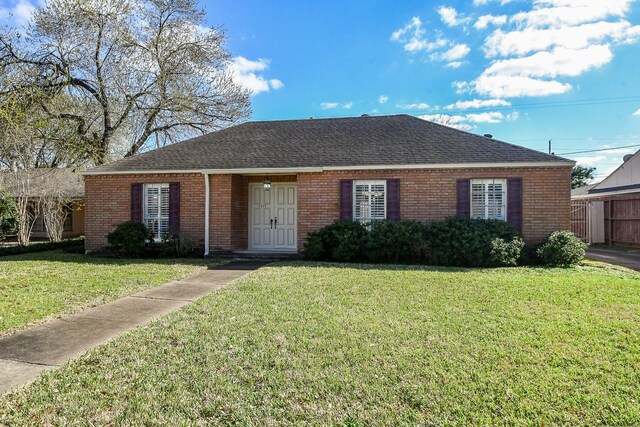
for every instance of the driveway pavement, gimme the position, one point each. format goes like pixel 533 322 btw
pixel 624 257
pixel 24 355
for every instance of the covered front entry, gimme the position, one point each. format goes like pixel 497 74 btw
pixel 273 217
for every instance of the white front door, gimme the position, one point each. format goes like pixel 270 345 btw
pixel 273 217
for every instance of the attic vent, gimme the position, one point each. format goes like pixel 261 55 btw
pixel 627 157
pixel 488 135
pixel 364 115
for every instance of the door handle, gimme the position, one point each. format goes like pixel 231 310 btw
pixel 271 220
pixel 275 222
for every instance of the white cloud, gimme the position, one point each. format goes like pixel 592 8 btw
pixel 499 86
pixel 525 76
pixel 462 121
pixel 383 99
pixel 637 113
pixel 484 21
pixel 484 2
pixel 590 160
pixel 412 35
pixel 558 62
pixel 335 105
pixel 416 106
pixel 488 117
pixel 521 42
pixel 276 84
pixel 512 117
pixel 454 64
pixel 451 17
pixel 457 52
pixel 19 14
pixel 329 105
pixel 562 13
pixel 247 73
pixel 477 103
pixel 534 50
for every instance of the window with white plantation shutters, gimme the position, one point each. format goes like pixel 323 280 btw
pixel 369 201
pixel 489 199
pixel 156 209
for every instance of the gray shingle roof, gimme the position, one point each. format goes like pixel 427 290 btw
pixel 44 182
pixel 354 141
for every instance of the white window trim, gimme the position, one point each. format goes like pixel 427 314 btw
pixel 503 181
pixel 353 196
pixel 145 216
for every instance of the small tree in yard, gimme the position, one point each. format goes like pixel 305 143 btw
pixel 133 74
pixel 55 212
pixel 581 176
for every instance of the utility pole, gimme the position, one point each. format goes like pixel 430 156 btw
pixel 549 146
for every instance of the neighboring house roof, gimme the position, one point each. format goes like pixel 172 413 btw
pixel 625 179
pixel 45 182
pixel 581 191
pixel 320 143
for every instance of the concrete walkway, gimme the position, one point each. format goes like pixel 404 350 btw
pixel 25 354
pixel 616 256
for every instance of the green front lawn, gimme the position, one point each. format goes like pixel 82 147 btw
pixel 38 285
pixel 305 344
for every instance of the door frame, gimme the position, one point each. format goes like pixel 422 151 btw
pixel 250 217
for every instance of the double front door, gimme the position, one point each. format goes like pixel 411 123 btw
pixel 272 217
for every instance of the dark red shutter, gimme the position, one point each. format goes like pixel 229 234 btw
pixel 463 205
pixel 514 203
pixel 174 207
pixel 393 199
pixel 346 199
pixel 136 202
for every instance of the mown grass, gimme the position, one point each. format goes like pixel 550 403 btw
pixel 307 344
pixel 39 285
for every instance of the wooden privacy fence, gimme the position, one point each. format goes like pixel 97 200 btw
pixel 587 220
pixel 622 221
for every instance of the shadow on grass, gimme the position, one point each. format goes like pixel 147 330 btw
pixel 61 256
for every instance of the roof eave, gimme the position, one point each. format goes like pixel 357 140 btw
pixel 319 169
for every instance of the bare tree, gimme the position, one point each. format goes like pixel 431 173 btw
pixel 451 121
pixel 55 211
pixel 132 73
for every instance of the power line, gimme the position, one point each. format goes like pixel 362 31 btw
pixel 601 149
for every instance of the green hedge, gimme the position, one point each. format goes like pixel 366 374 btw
pixel 455 241
pixel 70 245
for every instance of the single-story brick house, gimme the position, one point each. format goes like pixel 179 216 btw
pixel 263 186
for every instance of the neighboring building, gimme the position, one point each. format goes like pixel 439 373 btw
pixel 65 184
pixel 609 211
pixel 213 189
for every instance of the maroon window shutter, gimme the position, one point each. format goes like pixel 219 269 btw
pixel 174 207
pixel 463 206
pixel 393 199
pixel 346 199
pixel 136 202
pixel 514 203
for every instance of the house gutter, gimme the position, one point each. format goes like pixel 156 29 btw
pixel 207 200
pixel 320 169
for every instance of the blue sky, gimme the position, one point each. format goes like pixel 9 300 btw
pixel 524 71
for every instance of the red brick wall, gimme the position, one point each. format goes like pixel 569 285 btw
pixel 425 195
pixel 108 203
pixel 430 194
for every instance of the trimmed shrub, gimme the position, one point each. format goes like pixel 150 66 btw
pixel 174 244
pixel 505 254
pixel 562 249
pixel 466 242
pixel 69 245
pixel 129 238
pixel 399 242
pixel 341 241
